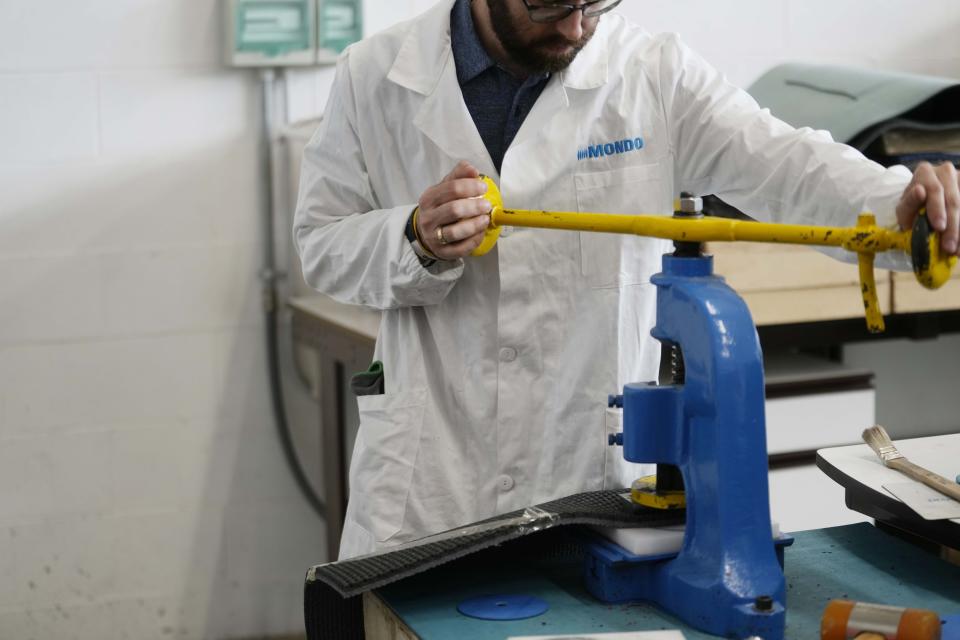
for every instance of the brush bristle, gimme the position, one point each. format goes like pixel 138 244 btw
pixel 879 440
pixel 876 436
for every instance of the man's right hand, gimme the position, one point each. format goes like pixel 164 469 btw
pixel 452 216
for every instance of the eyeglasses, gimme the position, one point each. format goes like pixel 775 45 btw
pixel 555 11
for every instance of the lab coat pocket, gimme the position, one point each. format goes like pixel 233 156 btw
pixel 628 190
pixel 389 439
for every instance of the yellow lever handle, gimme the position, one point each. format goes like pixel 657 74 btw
pixel 931 266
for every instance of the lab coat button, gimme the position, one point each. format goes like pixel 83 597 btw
pixel 505 483
pixel 508 354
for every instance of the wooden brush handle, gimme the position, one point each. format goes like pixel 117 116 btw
pixel 929 478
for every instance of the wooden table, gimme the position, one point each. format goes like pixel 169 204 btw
pixel 343 338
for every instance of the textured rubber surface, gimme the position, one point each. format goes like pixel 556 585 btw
pixel 332 608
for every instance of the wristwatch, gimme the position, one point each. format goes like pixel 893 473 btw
pixel 426 260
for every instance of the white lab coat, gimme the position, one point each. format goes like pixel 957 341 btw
pixel 498 368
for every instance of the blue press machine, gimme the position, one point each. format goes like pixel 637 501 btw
pixel 727 579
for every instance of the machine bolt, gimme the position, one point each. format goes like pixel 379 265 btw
pixel 615 439
pixel 690 204
pixel 614 401
pixel 763 603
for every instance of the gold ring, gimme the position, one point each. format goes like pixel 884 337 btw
pixel 440 237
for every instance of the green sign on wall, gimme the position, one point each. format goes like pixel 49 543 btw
pixel 272 28
pixel 270 33
pixel 340 24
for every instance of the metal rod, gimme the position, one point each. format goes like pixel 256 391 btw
pixel 869 238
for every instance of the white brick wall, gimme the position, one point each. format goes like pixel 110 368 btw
pixel 744 38
pixel 142 490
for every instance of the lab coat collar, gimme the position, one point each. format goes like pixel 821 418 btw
pixel 425 65
pixel 426 50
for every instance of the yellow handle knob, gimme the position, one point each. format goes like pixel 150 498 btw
pixel 931 266
pixel 496 208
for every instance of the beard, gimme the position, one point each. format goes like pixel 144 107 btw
pixel 534 55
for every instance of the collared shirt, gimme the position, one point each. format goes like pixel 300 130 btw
pixel 497 101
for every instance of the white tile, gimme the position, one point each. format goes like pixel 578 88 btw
pixel 146 469
pixel 50 298
pixel 272 543
pixel 167 200
pixel 301 97
pixel 125 383
pixel 181 289
pixel 267 610
pixel 707 26
pixel 50 210
pixel 889 28
pixel 62 560
pixel 261 473
pixel 249 451
pixel 166 552
pixel 176 113
pixel 241 464
pixel 229 186
pixel 181 616
pixel 242 375
pixel 108 34
pixel 11 590
pixel 52 475
pixel 66 622
pixel 378 16
pixel 416 7
pixel 48 118
pixel 25 486
pixel 4 415
pixel 209 462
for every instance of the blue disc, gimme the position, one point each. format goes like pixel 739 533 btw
pixel 951 627
pixel 503 607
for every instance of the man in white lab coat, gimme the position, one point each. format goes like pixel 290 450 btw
pixel 497 367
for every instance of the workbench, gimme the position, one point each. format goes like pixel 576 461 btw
pixel 858 562
pixel 341 338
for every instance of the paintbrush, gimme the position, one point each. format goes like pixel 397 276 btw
pixel 879 440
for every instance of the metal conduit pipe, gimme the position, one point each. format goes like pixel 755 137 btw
pixel 270 275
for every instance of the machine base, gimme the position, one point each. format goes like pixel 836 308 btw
pixel 617 576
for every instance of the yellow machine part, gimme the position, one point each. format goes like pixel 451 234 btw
pixel 866 239
pixel 492 234
pixel 644 492
pixel 935 271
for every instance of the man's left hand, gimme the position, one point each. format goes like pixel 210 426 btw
pixel 938 189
